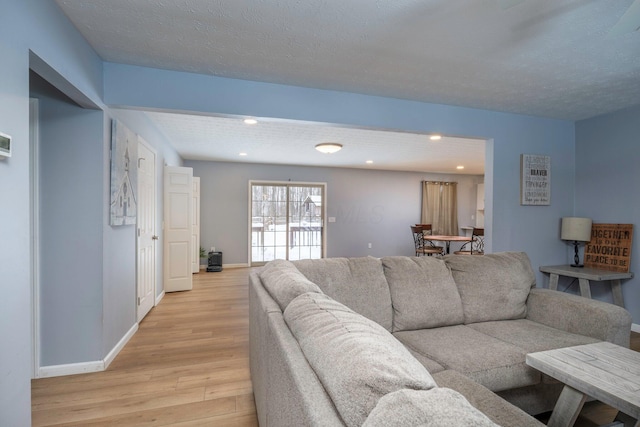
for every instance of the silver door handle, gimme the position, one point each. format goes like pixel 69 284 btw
pixel 154 237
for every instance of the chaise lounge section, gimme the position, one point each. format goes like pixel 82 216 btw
pixel 359 341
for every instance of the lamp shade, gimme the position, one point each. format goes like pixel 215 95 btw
pixel 576 229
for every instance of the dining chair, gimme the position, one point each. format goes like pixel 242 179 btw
pixel 424 246
pixel 476 244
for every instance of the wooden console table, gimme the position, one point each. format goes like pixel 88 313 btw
pixel 584 274
pixel 604 371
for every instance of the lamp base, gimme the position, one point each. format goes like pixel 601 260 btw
pixel 576 258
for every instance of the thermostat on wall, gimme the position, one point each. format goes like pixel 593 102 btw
pixel 5 145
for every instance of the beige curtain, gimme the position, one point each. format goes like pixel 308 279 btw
pixel 440 207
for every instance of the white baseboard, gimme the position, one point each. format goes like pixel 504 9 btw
pixel 119 346
pixel 70 369
pixel 235 265
pixel 87 367
pixel 204 267
pixel 635 327
pixel 159 297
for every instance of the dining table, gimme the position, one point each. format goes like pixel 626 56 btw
pixel 447 240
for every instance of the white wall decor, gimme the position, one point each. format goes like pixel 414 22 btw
pixel 535 180
pixel 124 175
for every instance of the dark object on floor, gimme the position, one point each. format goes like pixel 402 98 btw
pixel 215 262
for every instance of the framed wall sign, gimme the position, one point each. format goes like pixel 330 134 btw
pixel 535 180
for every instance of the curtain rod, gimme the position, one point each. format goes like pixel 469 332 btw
pixel 440 182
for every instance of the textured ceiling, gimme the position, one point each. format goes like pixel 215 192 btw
pixel 289 142
pixel 565 59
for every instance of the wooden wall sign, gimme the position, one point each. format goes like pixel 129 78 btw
pixel 610 247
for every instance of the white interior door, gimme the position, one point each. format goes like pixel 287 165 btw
pixel 195 230
pixel 178 219
pixel 147 234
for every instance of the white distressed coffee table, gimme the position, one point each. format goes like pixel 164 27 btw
pixel 604 371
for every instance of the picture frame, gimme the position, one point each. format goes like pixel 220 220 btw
pixel 124 175
pixel 535 180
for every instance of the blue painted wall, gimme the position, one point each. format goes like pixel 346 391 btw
pixel 607 183
pixel 119 289
pixel 70 208
pixel 37 34
pixel 36 29
pixel 15 305
pixel 509 225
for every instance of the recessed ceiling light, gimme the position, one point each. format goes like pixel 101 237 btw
pixel 243 154
pixel 435 137
pixel 329 147
pixel 369 162
pixel 250 121
pixel 460 167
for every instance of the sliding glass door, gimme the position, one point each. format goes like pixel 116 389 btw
pixel 287 221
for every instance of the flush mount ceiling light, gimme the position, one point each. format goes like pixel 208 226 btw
pixel 460 167
pixel 250 121
pixel 329 147
pixel 435 137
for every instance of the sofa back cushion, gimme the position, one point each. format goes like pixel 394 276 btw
pixel 358 283
pixel 356 359
pixel 423 293
pixel 493 286
pixel 284 282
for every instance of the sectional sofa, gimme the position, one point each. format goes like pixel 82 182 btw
pixel 412 340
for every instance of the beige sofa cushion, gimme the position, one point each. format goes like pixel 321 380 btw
pixel 493 286
pixel 491 362
pixel 439 407
pixel 356 359
pixel 284 282
pixel 358 283
pixel 423 293
pixel 494 407
pixel 531 336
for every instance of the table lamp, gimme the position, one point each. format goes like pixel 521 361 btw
pixel 576 230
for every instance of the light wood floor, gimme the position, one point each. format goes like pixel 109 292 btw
pixel 188 365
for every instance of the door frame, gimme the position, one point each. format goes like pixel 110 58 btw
pixel 34 196
pixel 155 208
pixel 293 184
pixel 196 226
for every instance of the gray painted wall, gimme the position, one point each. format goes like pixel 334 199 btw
pixel 370 206
pixel 607 183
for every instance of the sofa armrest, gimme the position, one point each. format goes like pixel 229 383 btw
pixel 579 315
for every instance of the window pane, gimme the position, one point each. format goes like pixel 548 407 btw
pixel 286 219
